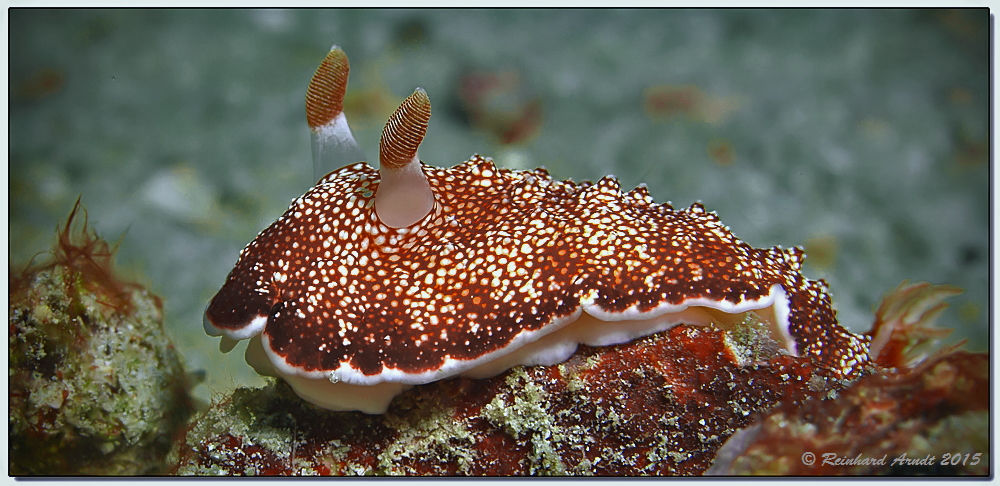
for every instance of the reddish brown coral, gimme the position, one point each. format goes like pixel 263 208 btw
pixel 936 416
pixel 918 415
pixel 660 405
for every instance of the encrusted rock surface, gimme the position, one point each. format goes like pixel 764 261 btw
pixel 932 420
pixel 925 411
pixel 660 405
pixel 96 386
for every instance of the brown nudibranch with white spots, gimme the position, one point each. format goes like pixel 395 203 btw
pixel 377 280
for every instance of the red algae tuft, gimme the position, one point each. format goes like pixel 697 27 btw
pixel 96 386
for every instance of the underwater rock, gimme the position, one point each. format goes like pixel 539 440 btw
pixel 96 386
pixel 686 401
pixel 925 412
pixel 930 421
pixel 661 405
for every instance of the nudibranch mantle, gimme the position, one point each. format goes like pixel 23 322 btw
pixel 474 269
pixel 503 258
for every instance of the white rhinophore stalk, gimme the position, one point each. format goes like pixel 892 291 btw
pixel 333 145
pixel 404 196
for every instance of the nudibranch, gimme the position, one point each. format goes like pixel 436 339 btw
pixel 378 280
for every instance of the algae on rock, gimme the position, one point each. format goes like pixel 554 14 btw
pixel 96 386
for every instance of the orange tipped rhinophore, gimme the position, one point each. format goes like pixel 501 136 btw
pixel 404 196
pixel 332 142
pixel 404 131
pixel 325 94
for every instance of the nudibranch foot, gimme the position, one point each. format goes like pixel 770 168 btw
pixel 322 391
pixel 474 269
pixel 333 144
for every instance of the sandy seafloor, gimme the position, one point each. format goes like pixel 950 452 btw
pixel 862 135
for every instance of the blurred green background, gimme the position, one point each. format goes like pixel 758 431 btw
pixel 860 135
